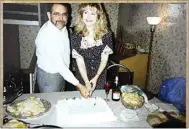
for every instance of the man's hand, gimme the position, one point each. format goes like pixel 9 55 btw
pixel 83 90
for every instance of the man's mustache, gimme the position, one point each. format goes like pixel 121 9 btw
pixel 60 21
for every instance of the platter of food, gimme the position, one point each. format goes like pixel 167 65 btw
pixel 16 123
pixel 13 123
pixel 28 108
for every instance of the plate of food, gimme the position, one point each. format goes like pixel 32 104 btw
pixel 16 123
pixel 28 108
pixel 13 123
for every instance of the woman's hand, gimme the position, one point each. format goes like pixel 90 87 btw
pixel 83 91
pixel 88 86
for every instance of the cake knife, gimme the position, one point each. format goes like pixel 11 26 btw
pixel 90 94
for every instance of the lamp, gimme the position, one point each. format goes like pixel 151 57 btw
pixel 152 21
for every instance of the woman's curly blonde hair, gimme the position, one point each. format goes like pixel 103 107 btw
pixel 100 26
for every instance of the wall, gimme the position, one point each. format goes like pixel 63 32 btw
pixel 27 34
pixel 169 46
pixel 132 17
pixel 169 50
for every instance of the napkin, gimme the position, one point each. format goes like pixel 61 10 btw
pixel 128 115
pixel 151 107
pixel 167 107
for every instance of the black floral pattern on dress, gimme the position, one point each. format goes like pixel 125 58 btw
pixel 92 58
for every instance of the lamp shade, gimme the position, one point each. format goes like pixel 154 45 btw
pixel 153 20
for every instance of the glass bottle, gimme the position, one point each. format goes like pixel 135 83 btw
pixel 116 90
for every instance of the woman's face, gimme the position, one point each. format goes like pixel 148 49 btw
pixel 89 16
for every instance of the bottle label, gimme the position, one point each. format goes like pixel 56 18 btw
pixel 116 95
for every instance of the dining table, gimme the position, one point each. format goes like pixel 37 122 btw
pixel 49 118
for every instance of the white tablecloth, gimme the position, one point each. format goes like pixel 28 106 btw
pixel 50 117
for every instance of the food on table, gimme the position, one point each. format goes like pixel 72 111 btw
pixel 14 124
pixel 161 118
pixel 132 100
pixel 156 118
pixel 29 107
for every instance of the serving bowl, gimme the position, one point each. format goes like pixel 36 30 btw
pixel 132 100
pixel 132 97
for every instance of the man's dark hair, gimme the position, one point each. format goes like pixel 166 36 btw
pixel 50 5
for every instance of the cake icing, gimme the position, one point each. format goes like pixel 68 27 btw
pixel 80 111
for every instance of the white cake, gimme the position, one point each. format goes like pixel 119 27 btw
pixel 81 111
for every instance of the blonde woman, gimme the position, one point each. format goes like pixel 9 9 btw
pixel 91 45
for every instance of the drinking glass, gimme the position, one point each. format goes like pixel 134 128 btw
pixel 107 90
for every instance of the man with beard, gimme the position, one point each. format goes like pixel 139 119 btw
pixel 53 53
